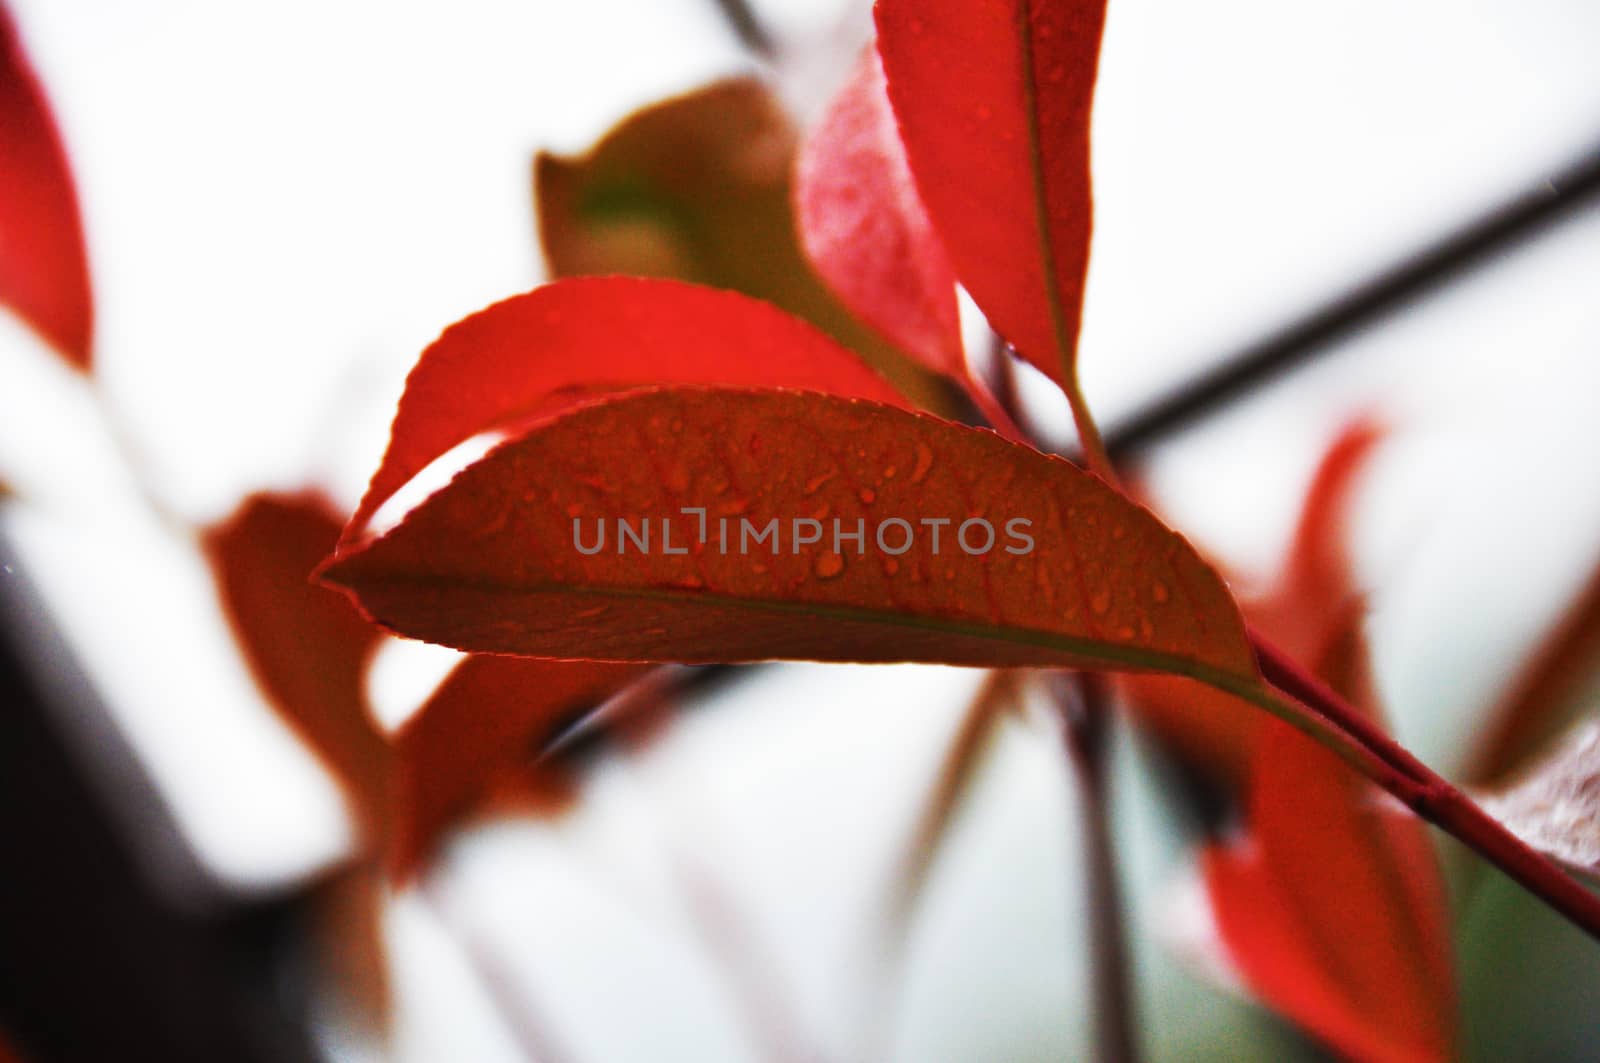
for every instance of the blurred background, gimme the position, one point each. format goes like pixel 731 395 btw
pixel 285 203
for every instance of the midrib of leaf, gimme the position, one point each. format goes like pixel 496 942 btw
pixel 1041 200
pixel 1085 648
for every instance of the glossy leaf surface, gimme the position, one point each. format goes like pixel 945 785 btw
pixel 535 354
pixel 492 562
pixel 993 99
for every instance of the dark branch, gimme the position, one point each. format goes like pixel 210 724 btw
pixel 1496 232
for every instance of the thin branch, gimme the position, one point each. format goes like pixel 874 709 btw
pixel 1086 721
pixel 750 30
pixel 527 1024
pixel 1430 796
pixel 1392 289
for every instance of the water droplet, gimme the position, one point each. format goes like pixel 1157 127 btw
pixel 1118 531
pixel 890 566
pixel 814 484
pixel 924 463
pixel 918 27
pixel 591 613
pixel 829 565
pixel 1146 629
pixel 950 575
pixel 1100 602
pixel 868 495
pixel 733 507
pixel 1159 591
pixel 983 112
pixel 1124 632
pixel 678 479
pixel 690 582
pixel 1055 73
pixel 888 472
pixel 575 509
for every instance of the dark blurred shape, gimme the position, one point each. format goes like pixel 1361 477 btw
pixel 96 962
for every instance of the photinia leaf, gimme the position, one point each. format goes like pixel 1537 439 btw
pixel 309 651
pixel 699 188
pixel 1313 599
pixel 865 227
pixel 307 648
pixel 1555 807
pixel 993 99
pixel 492 563
pixel 44 267
pixel 1545 692
pixel 538 353
pixel 489 714
pixel 1333 910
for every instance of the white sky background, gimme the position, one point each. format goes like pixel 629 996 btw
pixel 286 201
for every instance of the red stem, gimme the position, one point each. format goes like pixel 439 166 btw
pixel 1431 796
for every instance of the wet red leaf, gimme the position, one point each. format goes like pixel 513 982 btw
pixel 993 100
pixel 536 354
pixel 866 230
pixel 490 563
pixel 44 267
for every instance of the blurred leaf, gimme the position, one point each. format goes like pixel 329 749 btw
pixel 698 188
pixel 1555 807
pixel 993 100
pixel 490 714
pixel 865 227
pixel 537 354
pixel 1310 600
pixel 1333 910
pixel 309 651
pixel 489 563
pixel 44 266
pixel 1547 692
pixel 307 648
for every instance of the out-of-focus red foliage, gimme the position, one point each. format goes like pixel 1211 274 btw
pixel 44 266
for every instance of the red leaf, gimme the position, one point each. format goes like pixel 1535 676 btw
pixel 993 98
pixel 1333 908
pixel 489 563
pixel 307 648
pixel 1310 605
pixel 866 230
pixel 1545 692
pixel 489 714
pixel 44 267
pixel 536 354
